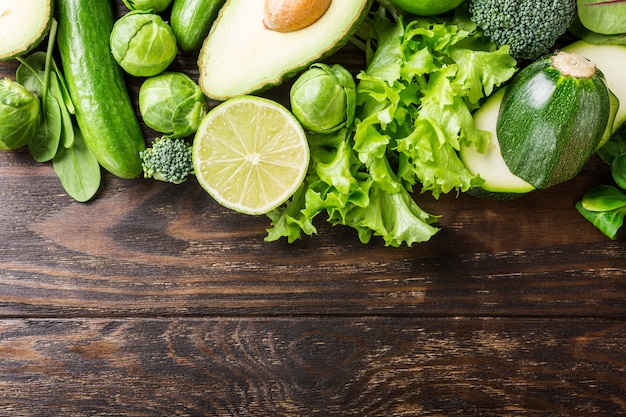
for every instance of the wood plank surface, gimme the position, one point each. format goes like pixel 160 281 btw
pixel 360 366
pixel 153 300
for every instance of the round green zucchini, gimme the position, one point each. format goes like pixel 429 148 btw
pixel 104 112
pixel 552 118
pixel 191 21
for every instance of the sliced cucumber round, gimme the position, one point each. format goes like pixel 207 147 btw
pixel 490 165
pixel 23 25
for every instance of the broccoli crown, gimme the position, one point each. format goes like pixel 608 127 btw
pixel 529 27
pixel 168 160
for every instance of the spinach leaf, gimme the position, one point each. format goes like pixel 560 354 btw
pixel 608 222
pixel 614 147
pixel 29 75
pixel 64 91
pixel 78 169
pixel 605 205
pixel 44 144
pixel 603 198
pixel 67 129
pixel 580 31
pixel 618 170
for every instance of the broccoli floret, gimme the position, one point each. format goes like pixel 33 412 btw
pixel 168 160
pixel 529 27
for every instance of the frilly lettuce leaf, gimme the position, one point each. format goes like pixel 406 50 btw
pixel 423 79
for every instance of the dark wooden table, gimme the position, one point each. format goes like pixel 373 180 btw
pixel 153 300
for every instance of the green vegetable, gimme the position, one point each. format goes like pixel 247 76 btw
pixel 23 25
pixel 489 165
pixel 614 147
pixel 143 44
pixel 323 98
pixel 605 207
pixel 611 60
pixel 191 21
pixel 581 32
pixel 413 111
pixel 606 17
pixel 529 27
pixel 57 138
pixel 169 160
pixel 553 116
pixel 57 124
pixel 172 103
pixel 618 170
pixel 155 5
pixel 19 115
pixel 104 112
pixel 77 169
pixel 39 74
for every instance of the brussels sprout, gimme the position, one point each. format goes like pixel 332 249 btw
pixel 19 115
pixel 172 103
pixel 156 5
pixel 143 43
pixel 323 98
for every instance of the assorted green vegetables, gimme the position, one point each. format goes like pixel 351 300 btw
pixel 413 110
pixel 56 138
pixel 375 141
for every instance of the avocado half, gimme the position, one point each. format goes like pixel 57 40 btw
pixel 23 25
pixel 241 56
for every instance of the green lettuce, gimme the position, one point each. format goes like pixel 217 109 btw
pixel 423 79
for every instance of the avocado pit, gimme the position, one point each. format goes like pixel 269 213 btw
pixel 292 15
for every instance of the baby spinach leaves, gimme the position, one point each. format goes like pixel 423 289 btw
pixel 605 205
pixel 58 139
pixel 78 169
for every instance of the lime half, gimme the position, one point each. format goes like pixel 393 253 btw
pixel 250 154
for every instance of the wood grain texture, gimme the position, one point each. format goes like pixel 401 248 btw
pixel 312 367
pixel 153 300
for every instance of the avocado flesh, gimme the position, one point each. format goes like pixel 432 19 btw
pixel 241 56
pixel 23 25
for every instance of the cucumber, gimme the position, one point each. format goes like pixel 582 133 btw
pixel 499 182
pixel 611 60
pixel 104 112
pixel 191 21
pixel 553 116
